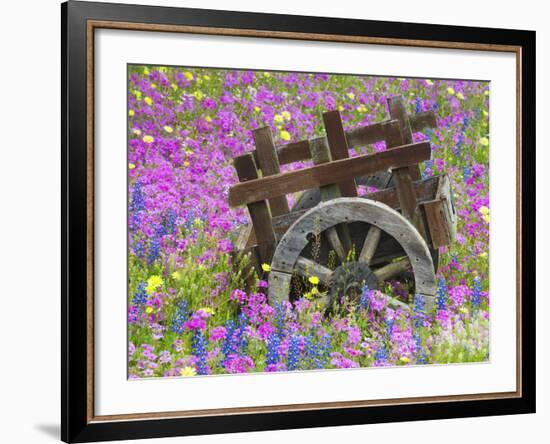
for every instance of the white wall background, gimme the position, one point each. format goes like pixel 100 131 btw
pixel 30 218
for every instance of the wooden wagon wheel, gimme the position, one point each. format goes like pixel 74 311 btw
pixel 381 180
pixel 351 275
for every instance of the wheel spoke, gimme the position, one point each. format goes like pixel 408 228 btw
pixel 336 243
pixel 370 245
pixel 307 268
pixel 392 269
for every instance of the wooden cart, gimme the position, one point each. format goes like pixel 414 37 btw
pixel 344 240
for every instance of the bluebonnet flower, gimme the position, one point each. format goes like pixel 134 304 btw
pixel 418 310
pixel 293 352
pixel 169 221
pixel 139 249
pixel 317 352
pixel 229 346
pixel 155 244
pixel 137 205
pixel 273 343
pixel 466 172
pixel 364 299
pixel 418 105
pixel 240 338
pixel 420 353
pixel 441 294
pixel 140 295
pixel 279 318
pixel 198 344
pixel 181 315
pixel 381 354
pixel 476 293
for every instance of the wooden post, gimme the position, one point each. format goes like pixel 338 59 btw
pixel 338 146
pixel 403 181
pixel 259 211
pixel 398 112
pixel 269 164
pixel 338 236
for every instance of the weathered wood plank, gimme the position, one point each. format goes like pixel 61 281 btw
pixel 398 112
pixel 259 211
pixel 338 146
pixel 269 164
pixel 370 245
pixel 402 176
pixel 356 138
pixel 338 237
pixel 334 212
pixel 437 225
pixel 306 267
pixel 425 190
pixel 326 174
pixel 392 269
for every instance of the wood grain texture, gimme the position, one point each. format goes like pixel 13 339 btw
pixel 259 211
pixel 338 146
pixel 396 106
pixel 268 162
pixel 348 209
pixel 326 174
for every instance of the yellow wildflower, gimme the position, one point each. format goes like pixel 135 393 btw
pixel 197 221
pixel 131 112
pixel 168 129
pixel 257 109
pixel 340 108
pixel 278 118
pixel 266 74
pixel 198 95
pixel 148 139
pixel 188 75
pixel 485 113
pixel 153 283
pixel 460 96
pixel 174 86
pixel 146 71
pixel 154 85
pixel 266 267
pixel 186 163
pixel 199 80
pixel 131 166
pixel 314 280
pixel 486 218
pixel 163 69
pixel 429 82
pixel 486 92
pixel 484 254
pixel 208 119
pixel 176 275
pixel 148 100
pixel 484 141
pixel 206 77
pixel 188 371
pixel 451 91
pixel 208 310
pixel 149 310
pixel 351 95
pixel 137 94
pixel 188 152
pixel 404 359
pixel 136 131
pixel 286 115
pixel 484 210
pixel 308 295
pixel 314 291
pixel 285 135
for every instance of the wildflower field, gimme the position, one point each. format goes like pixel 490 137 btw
pixel 189 310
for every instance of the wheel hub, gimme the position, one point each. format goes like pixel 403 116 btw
pixel 349 279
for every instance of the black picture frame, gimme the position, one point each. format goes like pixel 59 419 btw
pixel 77 425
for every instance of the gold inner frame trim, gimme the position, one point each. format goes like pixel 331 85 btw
pixel 92 25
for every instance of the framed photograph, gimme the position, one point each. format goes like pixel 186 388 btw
pixel 275 221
